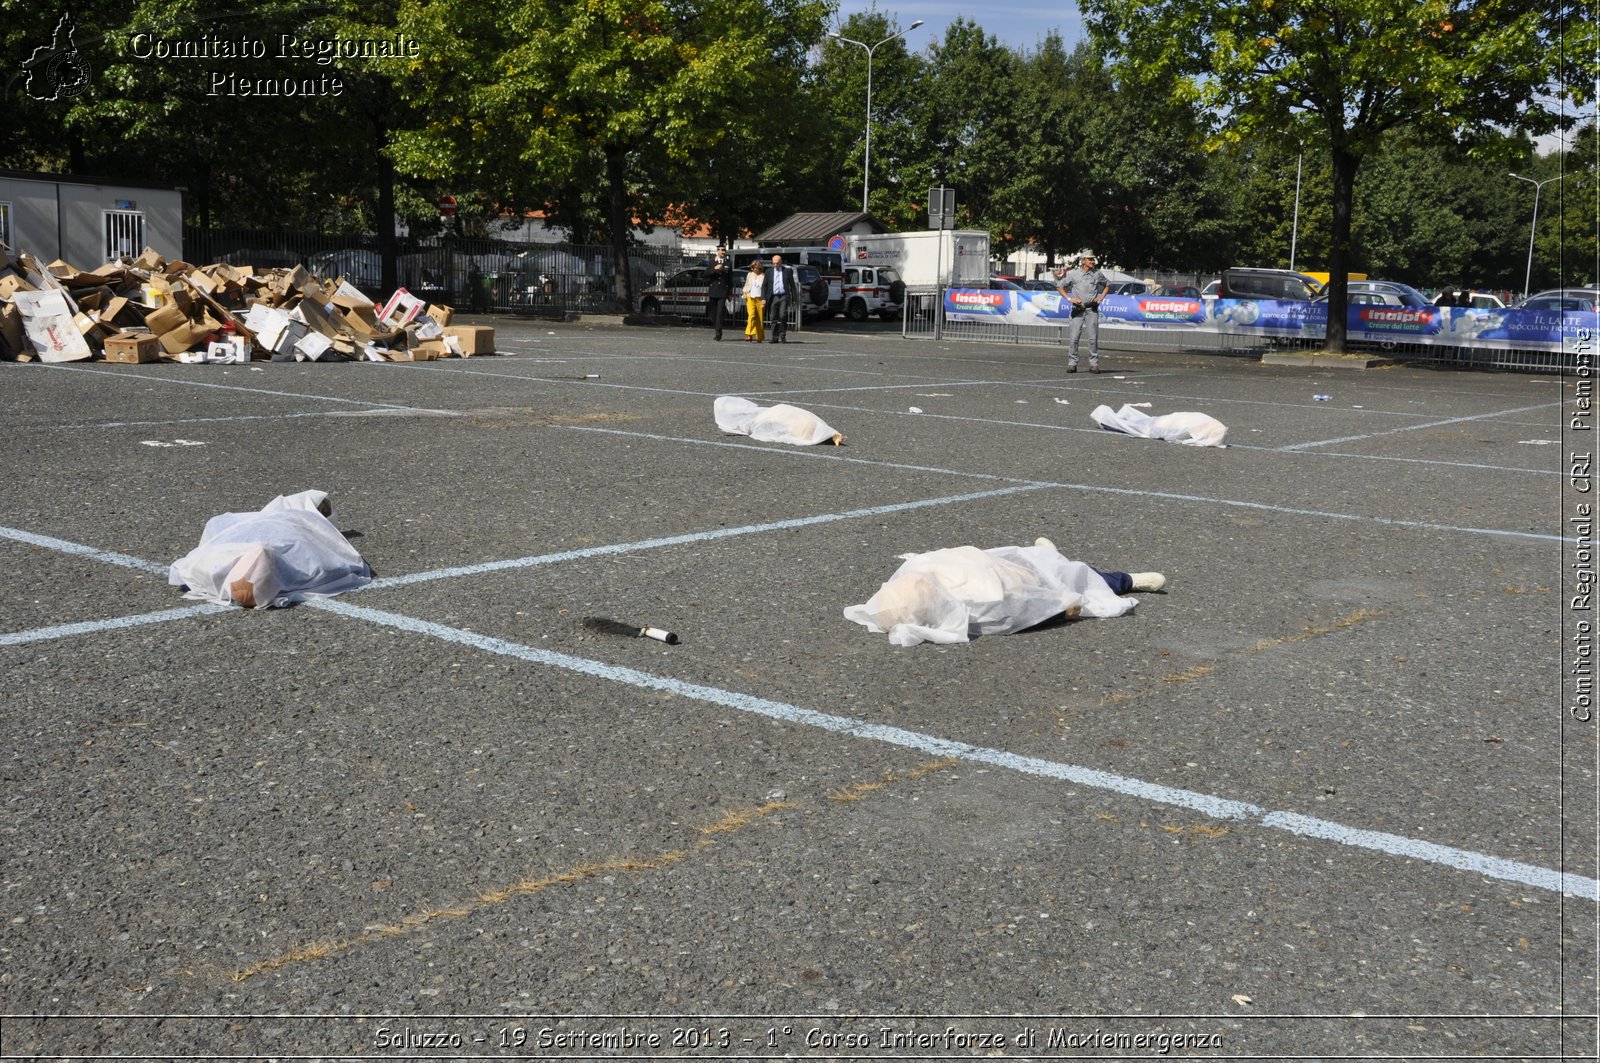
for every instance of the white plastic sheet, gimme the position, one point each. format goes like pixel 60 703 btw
pixel 285 552
pixel 772 424
pixel 953 594
pixel 1190 429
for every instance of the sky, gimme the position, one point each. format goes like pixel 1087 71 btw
pixel 1017 25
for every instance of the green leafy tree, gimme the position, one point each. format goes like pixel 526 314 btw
pixel 1144 171
pixel 541 101
pixel 1340 73
pixel 968 126
pixel 1042 202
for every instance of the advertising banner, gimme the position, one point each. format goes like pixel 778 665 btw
pixel 1448 325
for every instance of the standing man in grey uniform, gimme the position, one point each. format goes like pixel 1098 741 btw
pixel 1083 288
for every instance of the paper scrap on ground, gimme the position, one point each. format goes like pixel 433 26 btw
pixel 953 594
pixel 285 552
pixel 1191 429
pixel 772 424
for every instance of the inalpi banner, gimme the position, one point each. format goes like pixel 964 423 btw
pixel 1449 325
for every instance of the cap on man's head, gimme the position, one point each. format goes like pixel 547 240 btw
pixel 1086 253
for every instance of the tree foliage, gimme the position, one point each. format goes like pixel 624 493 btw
pixel 557 98
pixel 1337 75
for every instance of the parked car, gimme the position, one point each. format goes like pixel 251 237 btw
pixel 813 292
pixel 1178 291
pixel 1562 299
pixel 364 269
pixel 1381 293
pixel 872 290
pixel 1281 284
pixel 1476 300
pixel 683 294
pixel 1004 284
pixel 1130 288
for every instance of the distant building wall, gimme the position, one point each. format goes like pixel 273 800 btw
pixel 88 221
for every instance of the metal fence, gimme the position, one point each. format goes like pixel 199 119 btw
pixel 471 274
pixel 924 318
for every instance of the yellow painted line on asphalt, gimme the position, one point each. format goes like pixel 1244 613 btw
pixel 733 822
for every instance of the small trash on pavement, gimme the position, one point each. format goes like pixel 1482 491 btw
pixel 288 551
pixel 632 631
pixel 772 424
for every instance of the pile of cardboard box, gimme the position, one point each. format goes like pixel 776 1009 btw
pixel 148 309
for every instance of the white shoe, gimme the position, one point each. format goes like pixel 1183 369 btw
pixel 1042 541
pixel 1148 581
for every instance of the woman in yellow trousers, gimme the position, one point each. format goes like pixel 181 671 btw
pixel 754 328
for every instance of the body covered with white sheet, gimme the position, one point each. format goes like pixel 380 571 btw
pixel 951 595
pixel 772 424
pixel 285 552
pixel 1188 428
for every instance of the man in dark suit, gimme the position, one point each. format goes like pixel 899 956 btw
pixel 778 287
pixel 718 288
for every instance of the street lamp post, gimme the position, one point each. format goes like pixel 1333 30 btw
pixel 1533 227
pixel 866 160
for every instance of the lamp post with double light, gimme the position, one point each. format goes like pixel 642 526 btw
pixel 1533 227
pixel 866 160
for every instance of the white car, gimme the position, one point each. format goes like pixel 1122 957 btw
pixel 684 294
pixel 1478 301
pixel 872 290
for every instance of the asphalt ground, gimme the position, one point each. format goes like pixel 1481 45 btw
pixel 1319 798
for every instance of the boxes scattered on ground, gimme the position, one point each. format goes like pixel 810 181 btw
pixel 132 347
pixel 147 309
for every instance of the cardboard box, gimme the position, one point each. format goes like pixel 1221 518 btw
pixel 11 339
pixel 440 314
pixel 13 282
pixel 475 339
pixel 165 318
pixel 132 348
pixel 47 320
pixel 311 347
pixel 401 308
pixel 187 335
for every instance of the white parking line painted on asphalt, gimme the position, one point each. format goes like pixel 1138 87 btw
pixel 1420 427
pixel 1098 488
pixel 1004 422
pixel 689 537
pixel 95 627
pixel 240 387
pixel 78 549
pixel 1206 804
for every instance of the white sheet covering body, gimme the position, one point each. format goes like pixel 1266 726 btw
pixel 1190 429
pixel 953 594
pixel 771 424
pixel 285 552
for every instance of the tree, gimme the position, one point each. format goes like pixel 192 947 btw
pixel 1042 204
pixel 968 126
pixel 551 98
pixel 1340 73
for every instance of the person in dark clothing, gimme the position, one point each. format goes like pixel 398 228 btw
pixel 777 288
pixel 718 288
